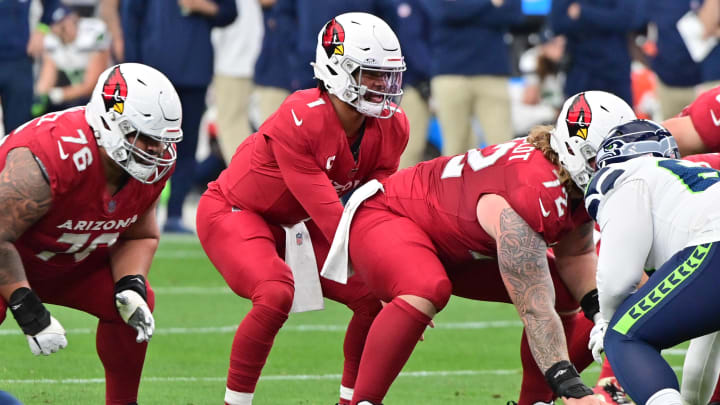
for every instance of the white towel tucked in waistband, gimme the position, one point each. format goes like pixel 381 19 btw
pixel 337 265
pixel 299 255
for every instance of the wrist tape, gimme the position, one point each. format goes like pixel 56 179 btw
pixel 134 282
pixel 29 311
pixel 565 381
pixel 590 304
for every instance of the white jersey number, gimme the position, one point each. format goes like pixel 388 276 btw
pixel 77 241
pixel 475 159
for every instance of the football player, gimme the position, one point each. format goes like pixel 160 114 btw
pixel 697 130
pixel 701 366
pixel 479 225
pixel 320 144
pixel 634 197
pixel 78 190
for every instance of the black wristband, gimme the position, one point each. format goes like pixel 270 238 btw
pixel 565 381
pixel 590 304
pixel 29 311
pixel 134 282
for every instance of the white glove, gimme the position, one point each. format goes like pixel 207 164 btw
pixel 597 336
pixel 135 312
pixel 48 340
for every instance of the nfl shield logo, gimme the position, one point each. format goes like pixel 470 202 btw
pixel 298 238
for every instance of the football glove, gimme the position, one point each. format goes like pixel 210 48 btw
pixel 44 333
pixel 597 336
pixel 130 300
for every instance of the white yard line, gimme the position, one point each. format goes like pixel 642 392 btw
pixel 297 377
pixel 289 328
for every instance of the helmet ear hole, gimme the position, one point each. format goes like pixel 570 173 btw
pixel 332 71
pixel 105 124
pixel 569 149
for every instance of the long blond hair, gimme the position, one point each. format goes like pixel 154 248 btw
pixel 539 137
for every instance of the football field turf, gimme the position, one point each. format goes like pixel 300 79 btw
pixel 471 357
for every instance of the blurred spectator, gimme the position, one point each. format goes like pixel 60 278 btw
pixel 17 47
pixel 174 37
pixel 470 67
pixel 109 11
pixel 272 71
pixel 308 16
pixel 76 53
pixel 677 73
pixel 597 42
pixel 411 25
pixel 541 67
pixel 83 8
pixel 236 49
pixel 709 14
pixel 539 98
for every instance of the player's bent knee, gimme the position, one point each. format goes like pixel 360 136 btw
pixel 442 291
pixel 437 292
pixel 277 295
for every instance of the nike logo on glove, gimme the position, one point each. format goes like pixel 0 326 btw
pixel 297 121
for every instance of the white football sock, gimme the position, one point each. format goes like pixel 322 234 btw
pixel 346 393
pixel 667 396
pixel 238 398
pixel 701 369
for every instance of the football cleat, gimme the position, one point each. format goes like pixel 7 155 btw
pixel 609 391
pixel 536 403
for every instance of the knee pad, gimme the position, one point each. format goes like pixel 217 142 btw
pixel 277 295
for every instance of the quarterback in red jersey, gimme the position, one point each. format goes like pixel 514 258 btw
pixel 697 128
pixel 78 190
pixel 317 146
pixel 479 225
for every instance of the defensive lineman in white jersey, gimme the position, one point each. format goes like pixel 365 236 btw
pixel 656 214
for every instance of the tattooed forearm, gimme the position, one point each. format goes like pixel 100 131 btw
pixel 11 268
pixel 524 269
pixel 25 197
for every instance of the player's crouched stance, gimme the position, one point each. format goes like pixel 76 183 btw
pixel 655 213
pixel 78 190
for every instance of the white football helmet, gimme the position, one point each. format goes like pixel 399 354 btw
pixel 133 100
pixel 353 44
pixel 584 121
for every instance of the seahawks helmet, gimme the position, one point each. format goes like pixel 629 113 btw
pixel 634 139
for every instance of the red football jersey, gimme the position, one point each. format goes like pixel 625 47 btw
pixel 705 115
pixel 84 219
pixel 441 196
pixel 300 161
pixel 712 160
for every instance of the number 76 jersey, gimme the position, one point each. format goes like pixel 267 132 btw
pixel 441 196
pixel 84 219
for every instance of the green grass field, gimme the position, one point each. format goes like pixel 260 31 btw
pixel 471 357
